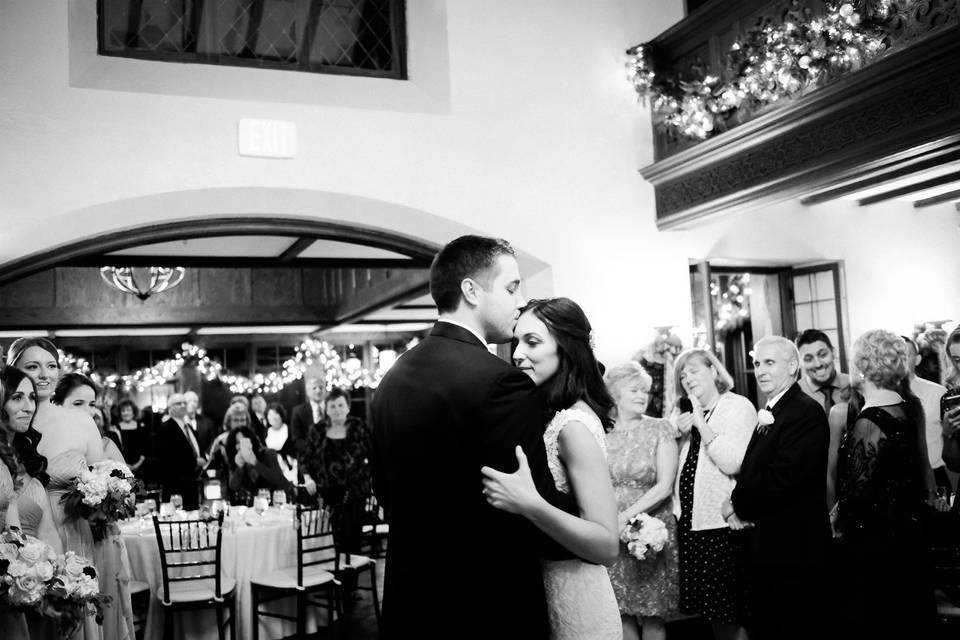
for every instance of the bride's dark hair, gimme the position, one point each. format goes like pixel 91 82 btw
pixel 578 375
pixel 24 444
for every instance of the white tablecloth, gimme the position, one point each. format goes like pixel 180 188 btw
pixel 250 549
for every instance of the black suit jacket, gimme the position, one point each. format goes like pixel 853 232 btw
pixel 206 432
pixel 177 465
pixel 444 410
pixel 301 422
pixel 782 490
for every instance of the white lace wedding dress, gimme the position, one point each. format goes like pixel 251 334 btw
pixel 580 598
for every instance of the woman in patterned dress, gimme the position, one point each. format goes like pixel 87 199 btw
pixel 554 349
pixel 642 455
pixel 715 432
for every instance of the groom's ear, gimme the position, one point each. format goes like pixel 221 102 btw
pixel 468 289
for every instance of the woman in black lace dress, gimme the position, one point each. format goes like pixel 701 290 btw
pixel 881 498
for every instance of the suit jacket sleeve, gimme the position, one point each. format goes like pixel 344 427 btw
pixel 268 468
pixel 799 460
pixel 514 417
pixel 299 429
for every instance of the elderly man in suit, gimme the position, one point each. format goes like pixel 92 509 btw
pixel 780 499
pixel 179 454
pixel 307 415
pixel 444 410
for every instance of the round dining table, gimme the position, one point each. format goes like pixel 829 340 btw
pixel 252 546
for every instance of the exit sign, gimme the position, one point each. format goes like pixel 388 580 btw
pixel 267 138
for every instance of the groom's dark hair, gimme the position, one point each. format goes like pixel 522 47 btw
pixel 465 257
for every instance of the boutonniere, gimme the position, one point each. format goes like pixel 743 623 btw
pixel 764 420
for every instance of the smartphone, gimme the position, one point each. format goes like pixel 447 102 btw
pixel 950 400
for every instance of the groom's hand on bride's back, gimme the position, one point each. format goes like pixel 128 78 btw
pixel 513 492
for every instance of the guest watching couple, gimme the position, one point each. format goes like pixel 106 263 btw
pixel 179 454
pixel 553 349
pixel 951 418
pixel 251 466
pixel 715 426
pixel 642 456
pixel 821 380
pixel 781 490
pixel 445 409
pixel 336 458
pixel 133 434
pixel 278 439
pixel 881 491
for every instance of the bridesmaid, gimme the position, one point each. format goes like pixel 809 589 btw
pixel 12 623
pixel 69 441
pixel 17 410
pixel 16 430
pixel 77 391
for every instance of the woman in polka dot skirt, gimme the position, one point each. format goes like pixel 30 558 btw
pixel 713 439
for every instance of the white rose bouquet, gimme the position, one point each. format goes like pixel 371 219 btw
pixel 73 594
pixel 644 535
pixel 26 568
pixel 103 494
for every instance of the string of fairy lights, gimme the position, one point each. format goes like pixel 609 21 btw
pixel 764 66
pixel 310 353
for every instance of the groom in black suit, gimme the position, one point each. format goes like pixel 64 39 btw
pixel 457 567
pixel 780 498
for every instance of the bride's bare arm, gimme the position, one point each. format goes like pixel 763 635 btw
pixel 593 536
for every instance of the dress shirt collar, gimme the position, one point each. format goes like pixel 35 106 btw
pixel 463 326
pixel 772 402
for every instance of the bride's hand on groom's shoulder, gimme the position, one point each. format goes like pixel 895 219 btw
pixel 512 492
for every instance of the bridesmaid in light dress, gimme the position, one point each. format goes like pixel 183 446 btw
pixel 12 623
pixel 69 441
pixel 77 391
pixel 17 411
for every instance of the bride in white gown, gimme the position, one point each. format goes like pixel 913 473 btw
pixel 553 348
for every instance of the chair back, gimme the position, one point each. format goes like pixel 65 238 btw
pixel 316 545
pixel 186 547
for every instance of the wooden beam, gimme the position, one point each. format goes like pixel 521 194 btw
pixel 949 196
pixel 213 227
pixel 932 183
pixel 295 249
pixel 242 262
pixel 888 172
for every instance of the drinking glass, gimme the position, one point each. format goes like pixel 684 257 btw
pixel 176 500
pixel 279 498
pixel 260 504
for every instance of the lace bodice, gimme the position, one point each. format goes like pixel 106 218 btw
pixel 579 412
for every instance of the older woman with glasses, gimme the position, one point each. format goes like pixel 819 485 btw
pixel 715 426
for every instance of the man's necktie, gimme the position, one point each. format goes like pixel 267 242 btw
pixel 827 398
pixel 188 431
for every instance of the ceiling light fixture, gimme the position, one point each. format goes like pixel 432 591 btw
pixel 142 282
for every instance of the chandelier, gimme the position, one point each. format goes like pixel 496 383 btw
pixel 142 282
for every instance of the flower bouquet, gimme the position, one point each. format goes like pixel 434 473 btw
pixel 73 594
pixel 103 494
pixel 27 565
pixel 644 535
pixel 34 578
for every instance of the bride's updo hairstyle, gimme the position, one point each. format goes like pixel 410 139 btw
pixel 578 375
pixel 25 444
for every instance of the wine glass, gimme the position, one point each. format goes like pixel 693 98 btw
pixel 279 498
pixel 177 501
pixel 260 504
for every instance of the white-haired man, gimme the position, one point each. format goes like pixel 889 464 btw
pixel 780 498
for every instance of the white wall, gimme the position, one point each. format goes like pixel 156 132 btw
pixel 517 122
